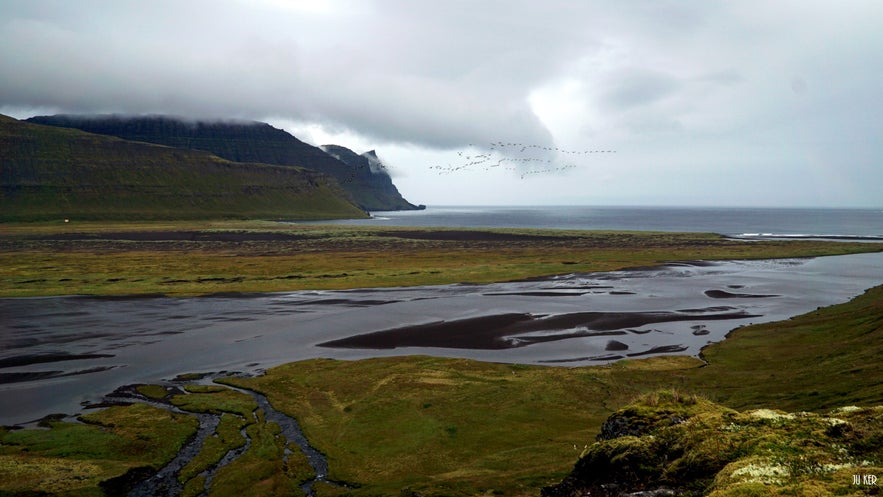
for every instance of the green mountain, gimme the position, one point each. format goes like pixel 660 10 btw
pixel 244 141
pixel 51 173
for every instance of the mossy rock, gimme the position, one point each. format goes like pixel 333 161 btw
pixel 713 450
pixel 653 411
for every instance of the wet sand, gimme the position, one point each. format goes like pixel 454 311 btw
pixel 59 353
pixel 506 331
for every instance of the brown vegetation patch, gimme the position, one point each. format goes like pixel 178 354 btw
pixel 176 236
pixel 471 236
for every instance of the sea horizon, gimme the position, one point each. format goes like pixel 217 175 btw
pixel 749 222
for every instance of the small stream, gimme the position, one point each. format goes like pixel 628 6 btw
pixel 228 458
pixel 164 483
pixel 292 432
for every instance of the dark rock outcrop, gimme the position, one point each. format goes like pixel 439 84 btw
pixel 369 179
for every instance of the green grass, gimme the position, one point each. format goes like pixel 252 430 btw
pixel 227 437
pixel 337 257
pixel 260 471
pixel 216 400
pixel 457 427
pixel 821 360
pixel 156 392
pixel 75 458
pixel 72 458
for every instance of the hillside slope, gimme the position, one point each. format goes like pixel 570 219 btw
pixel 51 173
pixel 242 141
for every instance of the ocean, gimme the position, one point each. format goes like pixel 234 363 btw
pixel 864 224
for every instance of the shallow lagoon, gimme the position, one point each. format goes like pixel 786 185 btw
pixel 60 352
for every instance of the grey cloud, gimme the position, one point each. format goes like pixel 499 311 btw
pixel 725 77
pixel 637 87
pixel 668 82
pixel 205 71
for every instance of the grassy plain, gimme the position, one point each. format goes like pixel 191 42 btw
pixel 193 258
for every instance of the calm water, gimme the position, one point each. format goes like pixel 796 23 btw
pixel 864 223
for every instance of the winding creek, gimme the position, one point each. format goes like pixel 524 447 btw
pixel 166 483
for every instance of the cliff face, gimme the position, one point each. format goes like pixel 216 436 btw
pixel 369 179
pixel 48 172
pixel 242 141
pixel 670 443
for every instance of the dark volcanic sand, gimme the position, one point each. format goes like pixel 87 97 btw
pixel 506 331
pixel 177 236
pixel 58 352
pixel 253 236
pixel 723 294
pixel 471 235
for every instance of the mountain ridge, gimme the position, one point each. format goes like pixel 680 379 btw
pixel 241 141
pixel 50 173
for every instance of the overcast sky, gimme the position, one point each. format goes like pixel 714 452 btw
pixel 738 103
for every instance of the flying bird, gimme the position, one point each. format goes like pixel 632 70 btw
pixel 521 155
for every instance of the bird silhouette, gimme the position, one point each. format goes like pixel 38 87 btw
pixel 528 160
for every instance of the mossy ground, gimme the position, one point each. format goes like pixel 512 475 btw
pixel 73 458
pixel 48 259
pixel 264 469
pixel 701 448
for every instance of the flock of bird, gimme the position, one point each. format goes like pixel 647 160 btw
pixel 522 159
pixel 511 157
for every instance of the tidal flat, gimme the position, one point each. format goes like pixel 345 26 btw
pixel 465 424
